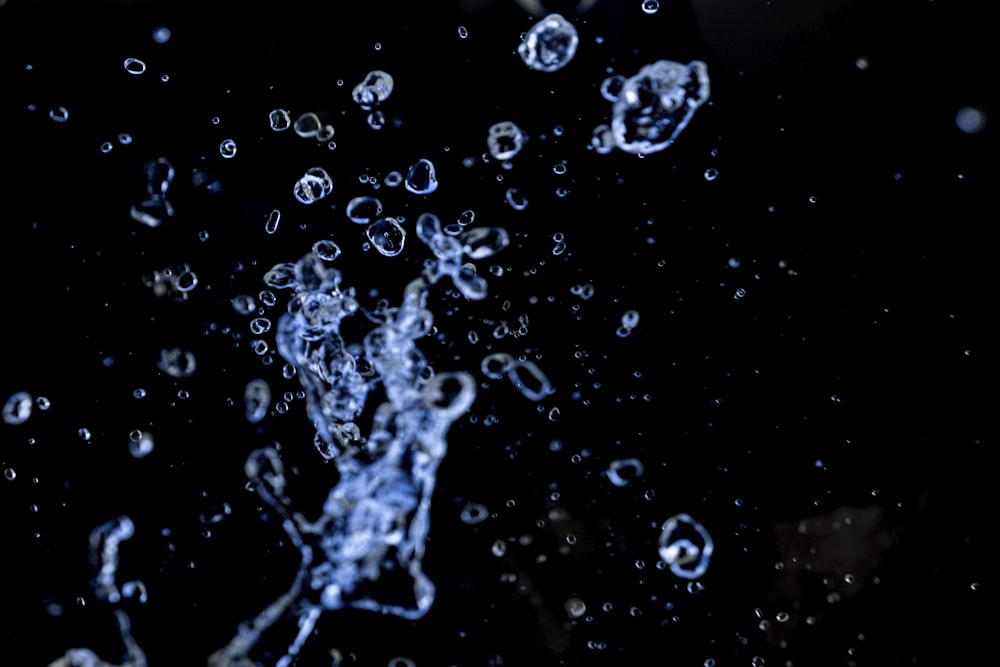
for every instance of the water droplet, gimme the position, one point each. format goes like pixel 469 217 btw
pixel 516 200
pixel 326 250
pixel 473 513
pixel 711 174
pixel 685 546
pixel 363 210
pixel 623 471
pixel 656 104
pixel 421 179
pixel 314 185
pixel 140 444
pixel 279 119
pixel 124 138
pixel 463 32
pixel 106 147
pixel 271 224
pixel 387 236
pixel 307 125
pixel 650 6
pixel 134 66
pixel 971 120
pixel 17 409
pixel 59 114
pixel 373 90
pixel 505 140
pixel 575 607
pixel 227 148
pixel 9 474
pixel 84 434
pixel 161 34
pixel 549 45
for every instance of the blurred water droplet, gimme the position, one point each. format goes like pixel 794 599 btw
pixel 161 34
pixel 17 409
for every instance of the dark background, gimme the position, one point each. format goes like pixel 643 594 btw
pixel 833 421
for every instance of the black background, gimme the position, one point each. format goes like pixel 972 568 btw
pixel 852 379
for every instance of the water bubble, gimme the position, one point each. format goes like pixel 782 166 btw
pixel 549 45
pixel 134 66
pixel 656 104
pixel 9 474
pixel 505 140
pixel 393 179
pixel 421 179
pixel 711 174
pixel 530 380
pixel 325 134
pixel 602 140
pixel 387 236
pixel 106 147
pixel 650 6
pixel 59 114
pixel 373 90
pixel 139 393
pixel 84 434
pixel 260 325
pixel 227 148
pixel 630 320
pixel 17 409
pixel 124 138
pixel 363 210
pixel 43 403
pixel 279 119
pixel 307 125
pixel 271 224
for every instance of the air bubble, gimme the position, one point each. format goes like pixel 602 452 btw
pixel 227 148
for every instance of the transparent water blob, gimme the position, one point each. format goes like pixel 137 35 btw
pixel 134 66
pixel 59 114
pixel 244 304
pixel 314 185
pixel 549 45
pixel 161 34
pixel 650 6
pixel 656 104
pixel 307 125
pixel 481 242
pixel 17 409
pixel 421 179
pixel 279 119
pixel 387 236
pixel 363 210
pixel 971 120
pixel 373 90
pixel 505 140
pixel 140 444
pixel 376 119
pixel 685 546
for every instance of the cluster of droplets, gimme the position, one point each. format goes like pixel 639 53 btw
pixel 376 517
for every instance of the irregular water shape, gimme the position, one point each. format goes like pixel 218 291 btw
pixel 134 66
pixel 685 546
pixel 375 519
pixel 655 105
pixel 505 140
pixel 177 363
pixel 421 179
pixel 257 399
pixel 387 236
pixel 549 45
pixel 373 90
pixel 307 125
pixel 271 224
pixel 104 544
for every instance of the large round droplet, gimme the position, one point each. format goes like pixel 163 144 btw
pixel 550 44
